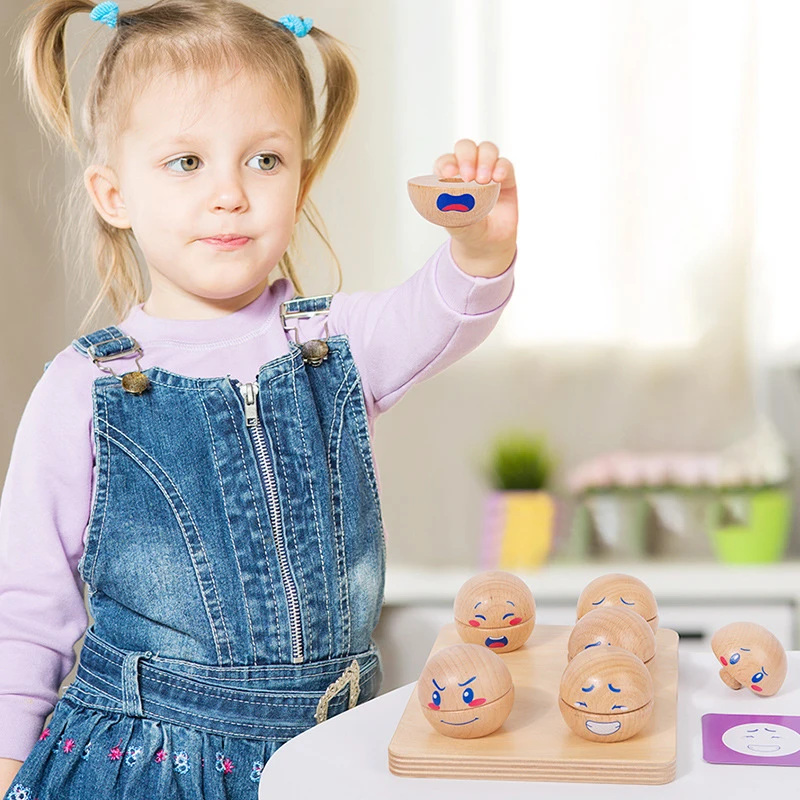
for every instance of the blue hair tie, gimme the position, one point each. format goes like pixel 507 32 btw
pixel 105 12
pixel 299 27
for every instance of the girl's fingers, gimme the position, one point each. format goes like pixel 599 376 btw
pixel 504 173
pixel 487 158
pixel 446 166
pixel 481 163
pixel 466 152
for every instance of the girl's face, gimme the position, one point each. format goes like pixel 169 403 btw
pixel 203 158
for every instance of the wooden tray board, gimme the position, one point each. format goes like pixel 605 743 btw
pixel 535 743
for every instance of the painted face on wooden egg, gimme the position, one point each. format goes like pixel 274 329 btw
pixel 465 691
pixel 606 694
pixel 495 609
pixel 452 202
pixel 618 589
pixel 615 626
pixel 751 656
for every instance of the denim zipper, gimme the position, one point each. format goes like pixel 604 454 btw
pixel 249 392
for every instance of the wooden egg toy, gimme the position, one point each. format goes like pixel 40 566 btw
pixel 452 202
pixel 465 691
pixel 606 694
pixel 615 626
pixel 495 609
pixel 618 589
pixel 750 656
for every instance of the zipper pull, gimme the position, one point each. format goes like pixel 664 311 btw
pixel 249 392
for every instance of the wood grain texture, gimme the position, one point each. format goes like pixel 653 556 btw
pixel 452 202
pixel 616 626
pixel 535 742
pixel 751 656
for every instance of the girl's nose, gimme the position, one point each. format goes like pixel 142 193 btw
pixel 229 195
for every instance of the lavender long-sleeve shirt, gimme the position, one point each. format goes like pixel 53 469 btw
pixel 398 337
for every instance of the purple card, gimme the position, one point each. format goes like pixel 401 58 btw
pixel 751 739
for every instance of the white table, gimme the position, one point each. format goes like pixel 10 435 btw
pixel 346 758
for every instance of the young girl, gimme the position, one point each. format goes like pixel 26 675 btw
pixel 204 466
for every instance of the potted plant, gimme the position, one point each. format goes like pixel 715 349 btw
pixel 519 513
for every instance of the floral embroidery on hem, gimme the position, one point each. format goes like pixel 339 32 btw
pixel 45 734
pixel 181 762
pixel 115 753
pixel 69 745
pixel 160 756
pixel 224 764
pixel 255 775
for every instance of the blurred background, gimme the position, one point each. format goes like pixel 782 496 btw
pixel 647 365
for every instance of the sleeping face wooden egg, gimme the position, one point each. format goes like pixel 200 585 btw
pixel 750 656
pixel 606 694
pixel 495 609
pixel 452 202
pixel 465 691
pixel 617 589
pixel 615 626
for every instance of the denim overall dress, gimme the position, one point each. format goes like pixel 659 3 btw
pixel 235 567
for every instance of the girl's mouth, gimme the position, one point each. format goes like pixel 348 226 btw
pixel 227 244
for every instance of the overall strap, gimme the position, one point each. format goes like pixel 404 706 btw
pixel 107 344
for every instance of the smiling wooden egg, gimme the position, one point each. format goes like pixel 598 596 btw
pixel 465 691
pixel 618 589
pixel 606 694
pixel 615 626
pixel 452 202
pixel 750 656
pixel 495 609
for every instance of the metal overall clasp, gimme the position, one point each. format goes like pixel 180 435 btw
pixel 135 382
pixel 314 351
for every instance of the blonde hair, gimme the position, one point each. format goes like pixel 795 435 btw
pixel 177 36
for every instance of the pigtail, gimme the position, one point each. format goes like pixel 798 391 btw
pixel 341 94
pixel 41 60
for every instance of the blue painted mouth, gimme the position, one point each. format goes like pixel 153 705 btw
pixel 501 642
pixel 455 202
pixel 459 723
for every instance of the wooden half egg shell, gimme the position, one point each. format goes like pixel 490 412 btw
pixel 751 656
pixel 465 691
pixel 496 610
pixel 615 626
pixel 596 681
pixel 618 589
pixel 452 202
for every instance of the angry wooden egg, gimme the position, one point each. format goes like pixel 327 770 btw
pixel 452 202
pixel 465 691
pixel 606 694
pixel 495 609
pixel 618 589
pixel 751 656
pixel 615 626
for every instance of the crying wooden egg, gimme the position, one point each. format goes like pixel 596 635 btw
pixel 495 609
pixel 751 656
pixel 452 202
pixel 465 691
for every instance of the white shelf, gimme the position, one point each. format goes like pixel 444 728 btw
pixel 670 581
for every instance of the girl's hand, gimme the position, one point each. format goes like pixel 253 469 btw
pixel 487 247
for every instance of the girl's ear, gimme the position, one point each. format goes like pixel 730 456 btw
pixel 103 187
pixel 305 185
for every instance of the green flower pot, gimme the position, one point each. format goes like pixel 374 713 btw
pixel 762 537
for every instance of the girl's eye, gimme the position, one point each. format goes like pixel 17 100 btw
pixel 192 162
pixel 735 658
pixel 267 161
pixel 468 695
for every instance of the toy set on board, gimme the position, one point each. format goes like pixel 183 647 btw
pixel 503 698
